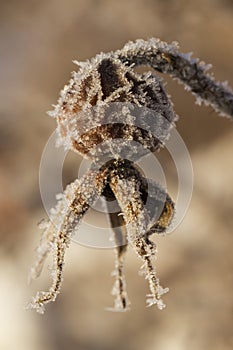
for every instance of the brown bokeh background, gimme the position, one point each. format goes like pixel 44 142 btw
pixel 39 40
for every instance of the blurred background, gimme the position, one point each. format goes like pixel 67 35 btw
pixel 39 40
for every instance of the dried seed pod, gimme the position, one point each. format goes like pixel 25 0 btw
pixel 106 111
pixel 105 101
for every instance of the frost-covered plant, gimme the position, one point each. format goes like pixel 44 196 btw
pixel 100 104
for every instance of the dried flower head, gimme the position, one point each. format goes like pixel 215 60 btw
pixel 106 101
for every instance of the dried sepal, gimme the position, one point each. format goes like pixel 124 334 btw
pixel 128 191
pixel 121 301
pixel 64 220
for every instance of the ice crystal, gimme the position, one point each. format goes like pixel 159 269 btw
pixel 104 112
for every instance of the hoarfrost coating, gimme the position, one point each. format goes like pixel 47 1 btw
pixel 107 100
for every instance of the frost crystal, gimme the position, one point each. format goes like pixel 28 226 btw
pixel 104 112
